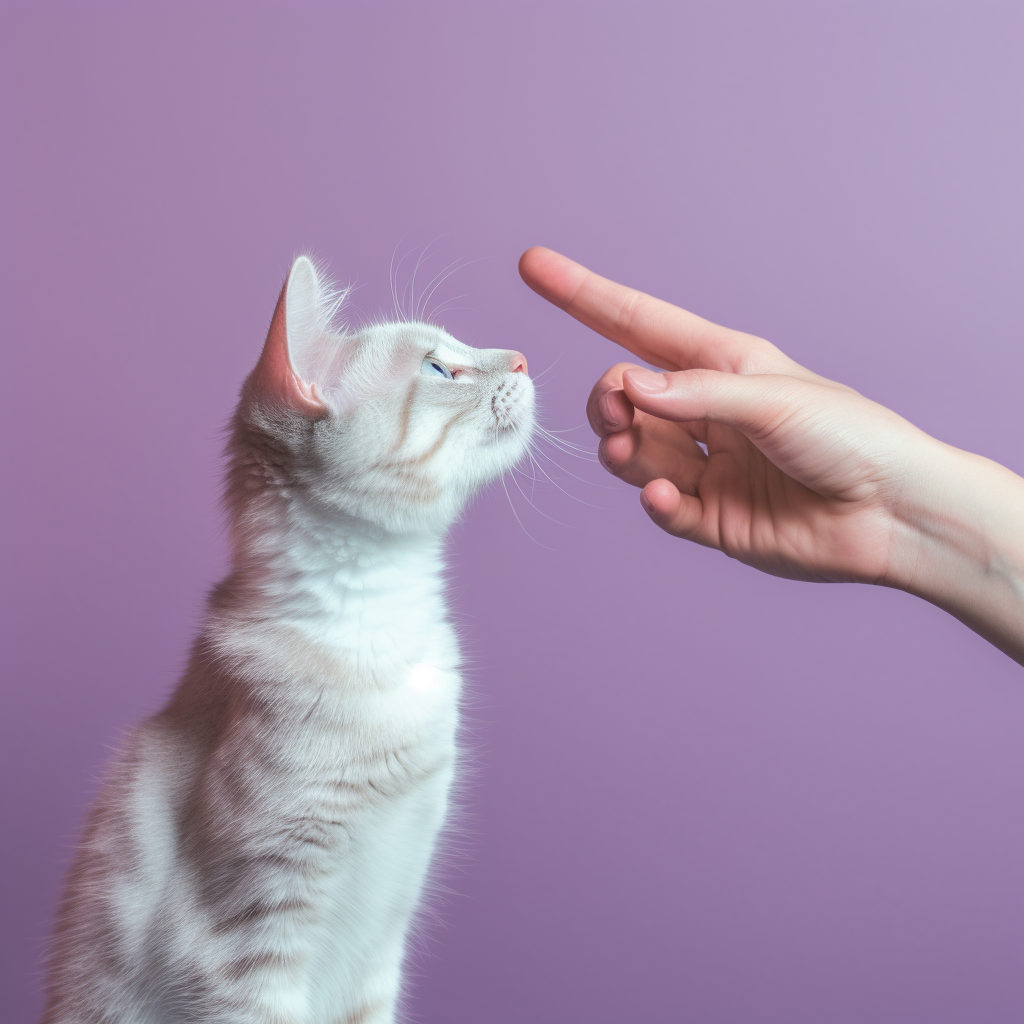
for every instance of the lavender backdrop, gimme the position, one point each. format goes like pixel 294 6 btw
pixel 727 798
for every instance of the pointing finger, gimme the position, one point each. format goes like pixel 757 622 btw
pixel 657 331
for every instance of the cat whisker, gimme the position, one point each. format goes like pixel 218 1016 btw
pixel 439 279
pixel 399 298
pixel 554 434
pixel 570 447
pixel 518 520
pixel 576 451
pixel 410 286
pixel 554 482
pixel 566 430
pixel 431 317
pixel 531 504
pixel 547 369
pixel 422 258
pixel 559 466
pixel 393 276
pixel 538 450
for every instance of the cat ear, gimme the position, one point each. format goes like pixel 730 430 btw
pixel 282 375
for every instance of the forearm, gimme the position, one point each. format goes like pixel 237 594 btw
pixel 961 543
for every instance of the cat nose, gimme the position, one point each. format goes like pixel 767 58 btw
pixel 518 363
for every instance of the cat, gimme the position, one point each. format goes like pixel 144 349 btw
pixel 258 850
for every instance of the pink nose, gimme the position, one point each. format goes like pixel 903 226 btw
pixel 518 363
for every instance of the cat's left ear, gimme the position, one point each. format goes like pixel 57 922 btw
pixel 282 376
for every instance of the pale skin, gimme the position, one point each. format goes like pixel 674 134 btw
pixel 803 477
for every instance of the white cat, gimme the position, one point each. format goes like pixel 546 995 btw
pixel 258 850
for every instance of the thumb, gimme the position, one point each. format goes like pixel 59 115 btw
pixel 754 404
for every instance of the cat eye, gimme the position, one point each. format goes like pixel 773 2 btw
pixel 432 367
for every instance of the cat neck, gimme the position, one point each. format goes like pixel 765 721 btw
pixel 294 560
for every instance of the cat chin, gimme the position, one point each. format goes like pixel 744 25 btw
pixel 483 467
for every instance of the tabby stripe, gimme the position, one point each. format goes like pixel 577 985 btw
pixel 403 422
pixel 436 446
pixel 260 912
pixel 238 969
pixel 363 1014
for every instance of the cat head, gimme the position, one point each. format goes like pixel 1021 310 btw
pixel 397 424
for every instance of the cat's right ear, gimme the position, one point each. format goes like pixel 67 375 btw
pixel 278 379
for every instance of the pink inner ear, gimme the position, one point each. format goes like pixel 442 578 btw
pixel 274 379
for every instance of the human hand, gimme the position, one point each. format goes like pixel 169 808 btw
pixel 803 477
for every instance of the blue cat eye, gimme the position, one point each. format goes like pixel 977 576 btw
pixel 432 367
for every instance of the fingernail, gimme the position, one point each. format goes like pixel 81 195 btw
pixel 647 381
pixel 608 412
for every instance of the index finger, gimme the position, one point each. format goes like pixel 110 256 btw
pixel 660 333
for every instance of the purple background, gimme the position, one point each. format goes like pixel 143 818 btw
pixel 698 794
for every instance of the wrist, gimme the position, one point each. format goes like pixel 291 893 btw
pixel 959 529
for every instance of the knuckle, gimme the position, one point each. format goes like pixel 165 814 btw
pixel 617 457
pixel 699 384
pixel 624 316
pixel 612 377
pixel 619 368
pixel 783 399
pixel 572 302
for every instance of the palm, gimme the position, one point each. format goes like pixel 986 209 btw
pixel 758 514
